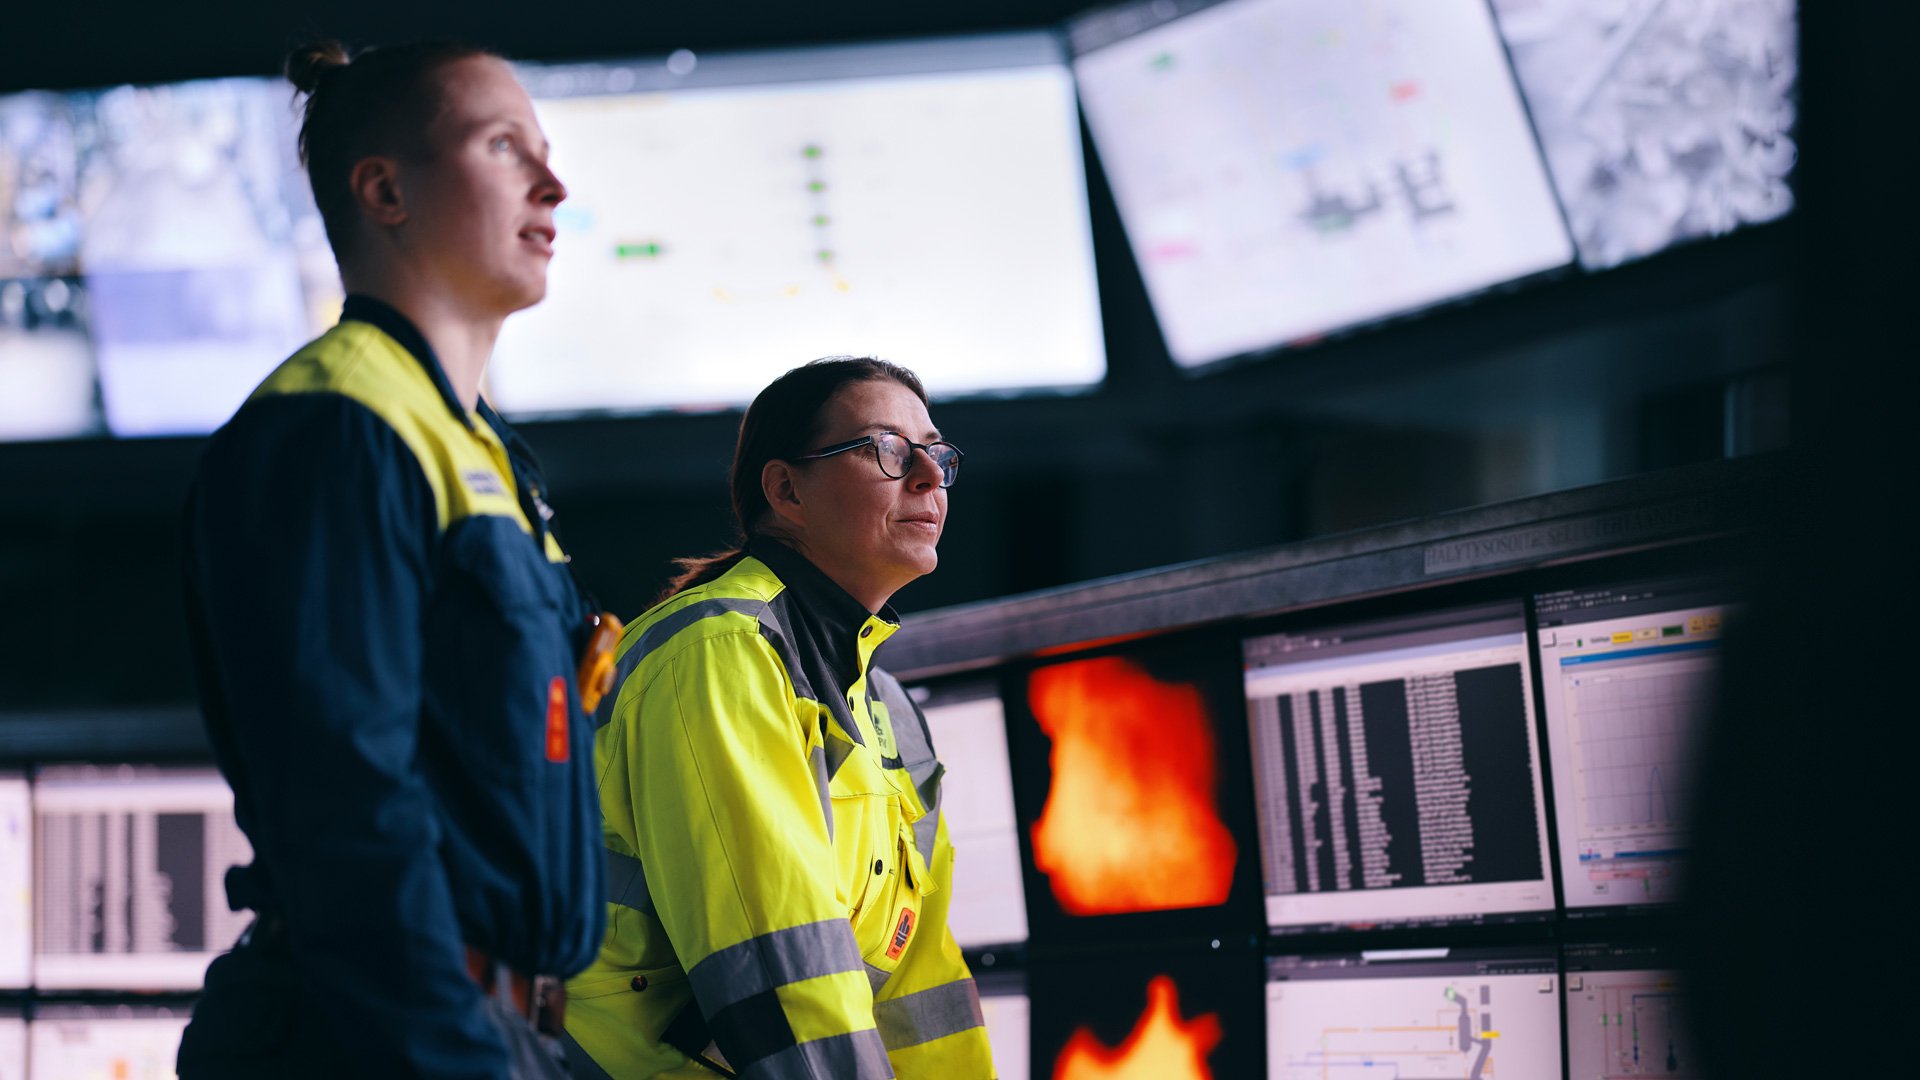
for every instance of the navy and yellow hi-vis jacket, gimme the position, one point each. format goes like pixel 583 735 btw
pixel 778 867
pixel 385 633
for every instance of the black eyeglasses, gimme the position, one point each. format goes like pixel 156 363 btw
pixel 894 452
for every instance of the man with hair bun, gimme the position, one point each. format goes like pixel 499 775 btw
pixel 387 636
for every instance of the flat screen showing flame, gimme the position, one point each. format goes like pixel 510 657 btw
pixel 1132 819
pixel 1162 1045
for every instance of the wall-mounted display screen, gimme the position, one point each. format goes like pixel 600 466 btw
pixel 159 254
pixel 1288 168
pixel 16 882
pixel 47 384
pixel 1627 1014
pixel 113 1042
pixel 1398 771
pixel 1131 788
pixel 1662 120
pixel 731 216
pixel 1630 673
pixel 969 728
pixel 1142 1015
pixel 13 1045
pixel 1008 1013
pixel 129 868
pixel 1456 1014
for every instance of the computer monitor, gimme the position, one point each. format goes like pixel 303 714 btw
pixel 1007 1010
pixel 121 1042
pixel 1660 122
pixel 1629 674
pixel 1290 168
pixel 1627 1013
pixel 1140 1013
pixel 16 882
pixel 1398 771
pixel 1131 789
pixel 733 215
pixel 1432 1013
pixel 128 877
pixel 13 1044
pixel 204 258
pixel 969 728
pixel 46 357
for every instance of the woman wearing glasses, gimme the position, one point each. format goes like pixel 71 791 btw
pixel 779 871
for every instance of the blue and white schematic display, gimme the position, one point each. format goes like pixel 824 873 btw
pixel 1288 168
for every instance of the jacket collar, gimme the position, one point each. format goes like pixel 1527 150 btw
pixel 843 631
pixel 387 319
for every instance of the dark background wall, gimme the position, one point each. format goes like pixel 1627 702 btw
pixel 1554 384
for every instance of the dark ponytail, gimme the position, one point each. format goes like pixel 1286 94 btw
pixel 782 422
pixel 376 101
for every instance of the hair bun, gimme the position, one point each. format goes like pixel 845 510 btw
pixel 308 64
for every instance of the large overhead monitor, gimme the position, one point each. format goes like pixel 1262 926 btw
pixel 46 357
pixel 1290 168
pixel 129 877
pixel 16 882
pixel 113 1042
pixel 159 254
pixel 1630 673
pixel 1661 122
pixel 1627 1013
pixel 969 728
pixel 1398 771
pixel 162 254
pixel 731 216
pixel 1445 1014
pixel 1131 791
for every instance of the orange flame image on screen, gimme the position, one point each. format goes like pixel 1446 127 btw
pixel 1161 1046
pixel 1130 822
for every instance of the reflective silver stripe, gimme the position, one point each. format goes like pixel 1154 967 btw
pixel 929 1014
pixel 859 1055
pixel 658 634
pixel 627 882
pixel 757 965
pixel 580 1064
pixel 927 829
pixel 877 978
pixel 917 752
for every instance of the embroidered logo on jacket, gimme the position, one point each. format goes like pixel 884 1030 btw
pixel 483 482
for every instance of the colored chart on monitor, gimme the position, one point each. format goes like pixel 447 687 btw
pixel 1630 673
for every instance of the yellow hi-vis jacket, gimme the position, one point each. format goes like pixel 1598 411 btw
pixel 776 855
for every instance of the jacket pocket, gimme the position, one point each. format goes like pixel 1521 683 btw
pixel 887 926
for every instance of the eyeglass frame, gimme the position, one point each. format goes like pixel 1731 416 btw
pixel 872 440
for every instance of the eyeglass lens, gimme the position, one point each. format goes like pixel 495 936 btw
pixel 896 457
